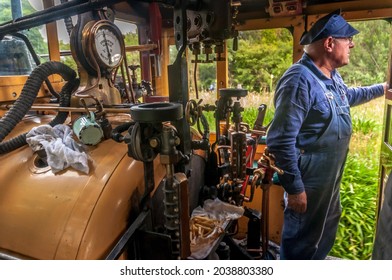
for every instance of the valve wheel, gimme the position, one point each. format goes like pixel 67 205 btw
pixel 135 148
pixel 191 112
pixel 156 112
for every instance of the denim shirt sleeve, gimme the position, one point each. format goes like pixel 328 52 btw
pixel 360 95
pixel 292 104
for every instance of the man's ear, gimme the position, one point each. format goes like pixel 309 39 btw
pixel 328 44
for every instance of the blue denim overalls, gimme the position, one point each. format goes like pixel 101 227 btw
pixel 311 235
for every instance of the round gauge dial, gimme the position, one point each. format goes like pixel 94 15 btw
pixel 108 44
pixel 108 47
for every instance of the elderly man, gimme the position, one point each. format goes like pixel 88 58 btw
pixel 310 135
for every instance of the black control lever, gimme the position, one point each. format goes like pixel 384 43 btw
pixel 260 118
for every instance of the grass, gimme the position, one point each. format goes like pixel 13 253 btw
pixel 250 103
pixel 361 176
pixel 360 184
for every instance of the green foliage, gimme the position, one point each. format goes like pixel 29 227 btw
pixel 67 60
pixel 358 198
pixel 131 39
pixel 5 8
pixel 250 114
pixel 264 55
pixel 206 75
pixel 368 58
pixel 261 58
pixel 365 126
pixel 211 120
pixel 360 184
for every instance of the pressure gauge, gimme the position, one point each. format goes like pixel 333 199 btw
pixel 104 45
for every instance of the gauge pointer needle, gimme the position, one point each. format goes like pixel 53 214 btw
pixel 107 48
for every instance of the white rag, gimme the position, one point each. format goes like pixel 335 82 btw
pixel 61 149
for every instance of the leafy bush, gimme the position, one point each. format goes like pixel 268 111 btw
pixel 358 198
pixel 365 126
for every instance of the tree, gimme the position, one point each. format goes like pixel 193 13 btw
pixel 262 56
pixel 131 39
pixel 207 75
pixel 368 57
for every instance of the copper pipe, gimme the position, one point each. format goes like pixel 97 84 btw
pixel 67 109
pixel 141 48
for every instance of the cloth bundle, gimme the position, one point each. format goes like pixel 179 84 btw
pixel 61 149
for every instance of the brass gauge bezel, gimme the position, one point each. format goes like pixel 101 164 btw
pixel 94 53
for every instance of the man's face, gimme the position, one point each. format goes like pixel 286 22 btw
pixel 341 51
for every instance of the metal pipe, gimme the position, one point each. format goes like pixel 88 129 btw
pixel 171 191
pixel 43 12
pixel 131 93
pixel 52 14
pixel 141 48
pixel 66 109
pixel 16 9
pixel 265 220
pixel 120 246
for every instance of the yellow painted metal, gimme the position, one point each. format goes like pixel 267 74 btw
pixel 11 87
pixel 222 70
pixel 69 215
pixel 275 213
pixel 167 38
pixel 162 81
pixel 53 41
pixel 51 31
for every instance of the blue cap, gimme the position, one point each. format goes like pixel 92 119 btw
pixel 332 24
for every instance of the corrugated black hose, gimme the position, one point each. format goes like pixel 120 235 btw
pixel 27 97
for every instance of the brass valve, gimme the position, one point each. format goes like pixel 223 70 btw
pixel 267 161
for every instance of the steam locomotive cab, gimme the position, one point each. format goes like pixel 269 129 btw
pixel 112 160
